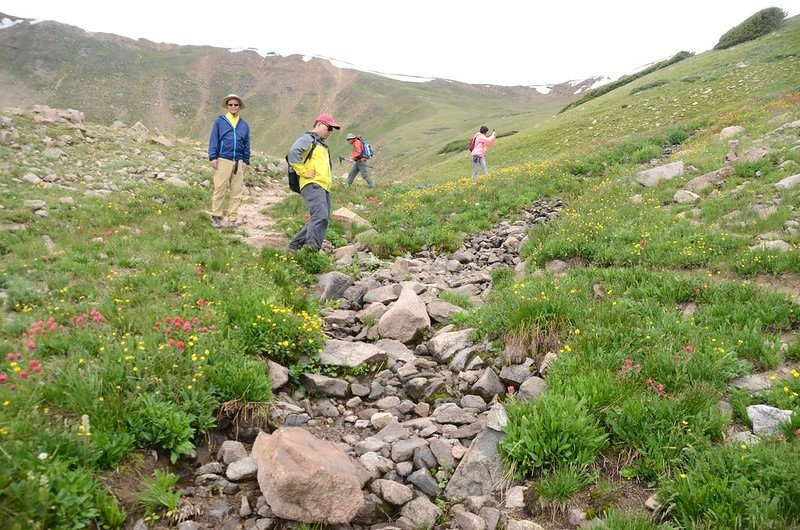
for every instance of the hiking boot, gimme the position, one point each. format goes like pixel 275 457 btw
pixel 216 222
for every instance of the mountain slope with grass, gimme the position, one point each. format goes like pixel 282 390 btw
pixel 177 89
pixel 657 312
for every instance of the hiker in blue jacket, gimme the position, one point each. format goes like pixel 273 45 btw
pixel 229 153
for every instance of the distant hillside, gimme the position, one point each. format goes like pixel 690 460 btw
pixel 177 90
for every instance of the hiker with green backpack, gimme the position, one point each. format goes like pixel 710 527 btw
pixel 309 157
pixel 362 152
pixel 478 146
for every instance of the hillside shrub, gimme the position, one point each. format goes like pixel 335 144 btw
pixel 755 26
pixel 554 431
pixel 648 86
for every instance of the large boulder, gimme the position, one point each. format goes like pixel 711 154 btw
pixel 307 479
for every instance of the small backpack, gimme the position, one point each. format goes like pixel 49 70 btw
pixel 368 151
pixel 471 144
pixel 294 178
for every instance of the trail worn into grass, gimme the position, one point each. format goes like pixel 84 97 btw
pixel 259 227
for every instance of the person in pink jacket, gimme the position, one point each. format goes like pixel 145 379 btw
pixel 482 142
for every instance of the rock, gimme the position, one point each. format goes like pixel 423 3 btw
pixel 421 512
pixel 788 182
pixel 480 471
pixel 350 354
pixel 332 285
pixel 393 492
pixel 765 419
pixel 231 451
pixel 731 131
pixel 469 521
pixel 444 346
pixel 685 197
pixel 307 479
pixel 488 385
pixel 406 320
pixel 651 177
pixel 513 524
pixel 241 470
pixel 349 218
pixel 278 374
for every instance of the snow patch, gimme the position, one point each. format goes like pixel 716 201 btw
pixel 339 64
pixel 542 89
pixel 6 22
pixel 602 80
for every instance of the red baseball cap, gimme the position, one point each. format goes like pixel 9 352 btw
pixel 328 120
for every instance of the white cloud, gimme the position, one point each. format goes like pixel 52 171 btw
pixel 502 42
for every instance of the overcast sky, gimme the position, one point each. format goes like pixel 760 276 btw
pixel 501 42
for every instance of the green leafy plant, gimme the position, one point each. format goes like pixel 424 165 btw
pixel 456 298
pixel 240 377
pixel 312 261
pixel 259 327
pixel 156 422
pixel 112 514
pixel 554 431
pixel 157 495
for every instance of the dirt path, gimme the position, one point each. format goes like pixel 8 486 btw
pixel 259 228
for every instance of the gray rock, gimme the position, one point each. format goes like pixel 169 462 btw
pixel 651 177
pixel 480 471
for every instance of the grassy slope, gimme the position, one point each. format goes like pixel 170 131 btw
pixel 746 85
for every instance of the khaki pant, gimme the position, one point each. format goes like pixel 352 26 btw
pixel 225 179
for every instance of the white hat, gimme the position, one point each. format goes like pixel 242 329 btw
pixel 232 96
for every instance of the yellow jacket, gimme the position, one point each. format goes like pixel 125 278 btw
pixel 319 161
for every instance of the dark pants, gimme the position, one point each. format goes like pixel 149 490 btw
pixel 318 202
pixel 359 167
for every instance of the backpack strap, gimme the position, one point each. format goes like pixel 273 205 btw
pixel 310 151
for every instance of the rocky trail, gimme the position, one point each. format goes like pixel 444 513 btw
pixel 407 438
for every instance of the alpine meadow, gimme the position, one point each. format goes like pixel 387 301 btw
pixel 601 332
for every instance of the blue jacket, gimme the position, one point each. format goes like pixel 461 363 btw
pixel 229 143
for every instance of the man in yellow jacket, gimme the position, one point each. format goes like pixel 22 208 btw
pixel 311 160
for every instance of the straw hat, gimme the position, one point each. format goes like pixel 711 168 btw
pixel 232 96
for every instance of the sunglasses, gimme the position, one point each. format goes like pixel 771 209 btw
pixel 233 104
pixel 329 127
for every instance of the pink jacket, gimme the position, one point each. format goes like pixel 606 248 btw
pixel 482 142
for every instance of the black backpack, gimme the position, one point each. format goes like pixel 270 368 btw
pixel 294 178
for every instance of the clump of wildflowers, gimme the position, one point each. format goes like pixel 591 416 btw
pixel 14 371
